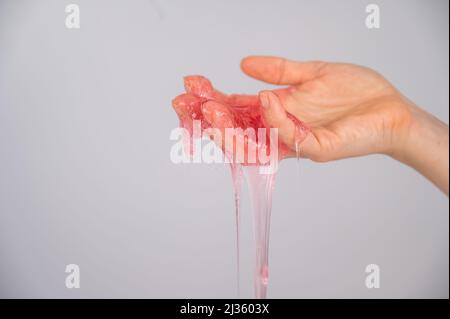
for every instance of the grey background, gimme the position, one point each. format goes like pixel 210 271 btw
pixel 86 178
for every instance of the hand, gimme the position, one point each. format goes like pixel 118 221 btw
pixel 351 111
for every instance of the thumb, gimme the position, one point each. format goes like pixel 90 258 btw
pixel 281 71
pixel 276 116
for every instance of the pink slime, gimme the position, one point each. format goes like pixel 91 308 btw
pixel 202 102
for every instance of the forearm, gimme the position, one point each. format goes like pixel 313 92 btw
pixel 426 148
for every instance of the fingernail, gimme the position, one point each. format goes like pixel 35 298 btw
pixel 264 100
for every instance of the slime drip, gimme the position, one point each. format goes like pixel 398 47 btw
pixel 217 110
pixel 236 175
pixel 261 189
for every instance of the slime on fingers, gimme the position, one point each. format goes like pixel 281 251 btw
pixel 214 109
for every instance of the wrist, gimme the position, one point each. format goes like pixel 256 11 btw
pixel 424 146
pixel 406 140
pixel 423 134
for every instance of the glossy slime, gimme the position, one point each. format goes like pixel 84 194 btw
pixel 217 110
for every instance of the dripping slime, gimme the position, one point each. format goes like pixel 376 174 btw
pixel 236 175
pixel 215 110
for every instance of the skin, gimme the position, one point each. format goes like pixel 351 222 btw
pixel 351 111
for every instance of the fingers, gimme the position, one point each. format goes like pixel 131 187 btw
pixel 198 85
pixel 240 111
pixel 188 108
pixel 219 117
pixel 239 100
pixel 281 71
pixel 236 146
pixel 217 114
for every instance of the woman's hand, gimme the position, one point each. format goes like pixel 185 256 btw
pixel 351 111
